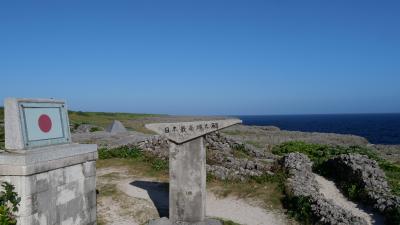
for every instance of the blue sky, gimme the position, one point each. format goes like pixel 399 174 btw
pixel 204 57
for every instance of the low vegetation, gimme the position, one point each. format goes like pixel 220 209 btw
pixel 299 208
pixel 268 190
pixel 135 156
pixel 103 119
pixel 227 222
pixel 319 154
pixel 9 202
pixel 240 151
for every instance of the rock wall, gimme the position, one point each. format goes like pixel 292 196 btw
pixel 156 145
pixel 229 159
pixel 222 162
pixel 302 184
pixel 366 174
pixel 64 196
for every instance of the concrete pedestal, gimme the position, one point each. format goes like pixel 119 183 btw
pixel 57 184
pixel 187 170
pixel 187 187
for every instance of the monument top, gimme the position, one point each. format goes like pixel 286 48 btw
pixel 185 131
pixel 31 123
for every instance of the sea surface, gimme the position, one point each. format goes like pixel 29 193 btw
pixel 377 128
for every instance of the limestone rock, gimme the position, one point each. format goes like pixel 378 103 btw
pixel 302 183
pixel 367 175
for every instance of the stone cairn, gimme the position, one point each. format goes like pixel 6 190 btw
pixel 302 184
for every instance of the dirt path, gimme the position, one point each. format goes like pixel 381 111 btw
pixel 241 212
pixel 131 201
pixel 330 191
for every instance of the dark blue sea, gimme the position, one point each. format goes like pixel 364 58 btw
pixel 377 128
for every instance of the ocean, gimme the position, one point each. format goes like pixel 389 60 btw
pixel 377 128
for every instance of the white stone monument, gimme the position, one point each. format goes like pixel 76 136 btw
pixel 55 178
pixel 187 169
pixel 116 127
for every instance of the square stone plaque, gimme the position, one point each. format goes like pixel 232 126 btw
pixel 31 123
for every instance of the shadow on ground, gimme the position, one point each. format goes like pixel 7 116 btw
pixel 159 194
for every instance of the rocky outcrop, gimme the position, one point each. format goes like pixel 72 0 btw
pixel 156 145
pixel 230 159
pixel 302 184
pixel 83 128
pixel 227 159
pixel 368 177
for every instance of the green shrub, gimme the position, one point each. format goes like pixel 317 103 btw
pixel 299 208
pixel 229 222
pixel 122 152
pixel 159 164
pixel 393 216
pixel 278 178
pixel 9 202
pixel 240 151
pixel 353 191
pixel 134 152
pixel 94 129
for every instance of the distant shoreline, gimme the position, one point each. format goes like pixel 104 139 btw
pixel 376 128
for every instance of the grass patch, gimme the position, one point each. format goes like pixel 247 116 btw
pixel 240 151
pixel 319 154
pixel 103 119
pixel 109 190
pixel 299 209
pixel 267 189
pixel 134 159
pixel 255 144
pixel 94 129
pixel 227 222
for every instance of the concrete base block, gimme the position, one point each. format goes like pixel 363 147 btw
pixel 57 184
pixel 166 221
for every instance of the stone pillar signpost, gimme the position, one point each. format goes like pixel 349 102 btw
pixel 55 178
pixel 187 167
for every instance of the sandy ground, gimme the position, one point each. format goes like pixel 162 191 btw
pixel 330 191
pixel 140 199
pixel 241 211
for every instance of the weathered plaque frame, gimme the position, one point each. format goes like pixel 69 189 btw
pixel 65 138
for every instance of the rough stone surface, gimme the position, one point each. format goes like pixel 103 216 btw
pixel 116 127
pixel 221 159
pixel 187 182
pixel 84 128
pixel 302 183
pixel 62 196
pixel 365 173
pixel 229 159
pixel 46 159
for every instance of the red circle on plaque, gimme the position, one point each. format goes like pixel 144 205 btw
pixel 45 123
